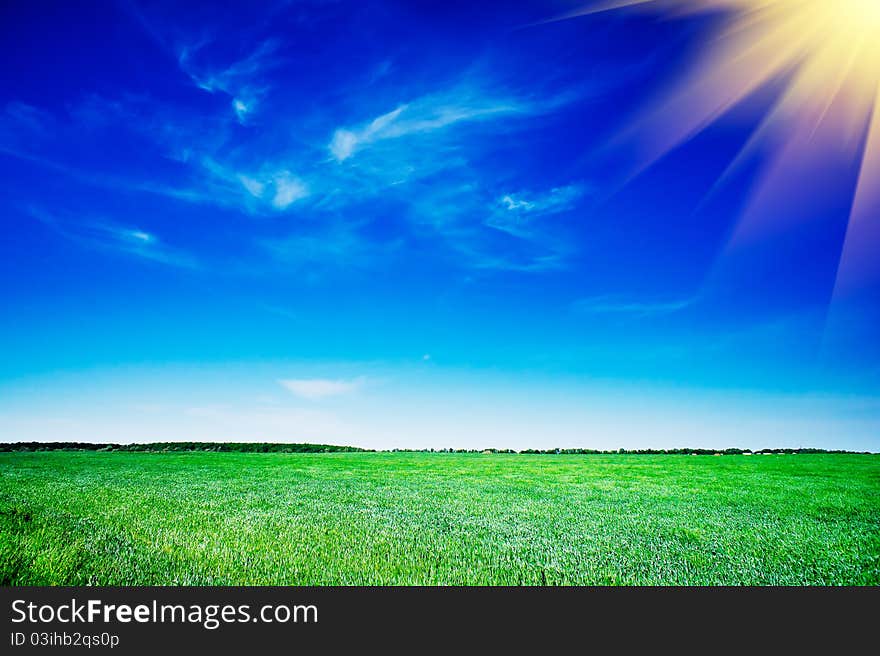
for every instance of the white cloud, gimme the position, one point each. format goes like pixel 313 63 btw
pixel 515 213
pixel 279 187
pixel 254 187
pixel 558 199
pixel 27 116
pixel 135 242
pixel 617 305
pixel 288 190
pixel 315 389
pixel 241 80
pixel 140 235
pixel 241 108
pixel 345 142
pixel 512 203
pixel 109 236
pixel 426 114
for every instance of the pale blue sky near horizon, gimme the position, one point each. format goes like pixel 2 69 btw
pixel 406 225
pixel 421 405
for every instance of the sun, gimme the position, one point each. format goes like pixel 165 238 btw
pixel 827 55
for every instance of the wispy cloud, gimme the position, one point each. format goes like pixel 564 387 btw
pixel 32 135
pixel 23 127
pixel 557 199
pixel 316 250
pixel 288 189
pixel 622 306
pixel 241 80
pixel 316 389
pixel 418 157
pixel 464 215
pixel 346 141
pixel 537 263
pixel 199 176
pixel 277 188
pixel 424 115
pixel 115 237
pixel 27 116
pixel 421 154
pixel 241 109
pixel 515 213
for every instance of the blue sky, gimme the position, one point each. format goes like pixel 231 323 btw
pixel 405 224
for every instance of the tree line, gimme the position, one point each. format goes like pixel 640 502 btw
pixel 276 447
pixel 236 447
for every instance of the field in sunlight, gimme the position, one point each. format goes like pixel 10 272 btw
pixel 420 518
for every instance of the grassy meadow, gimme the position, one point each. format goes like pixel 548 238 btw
pixel 80 518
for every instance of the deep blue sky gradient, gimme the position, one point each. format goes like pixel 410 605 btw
pixel 426 200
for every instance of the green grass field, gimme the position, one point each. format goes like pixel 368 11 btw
pixel 382 518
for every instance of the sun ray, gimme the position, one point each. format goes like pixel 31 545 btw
pixel 859 258
pixel 827 54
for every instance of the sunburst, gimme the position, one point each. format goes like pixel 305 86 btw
pixel 827 53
